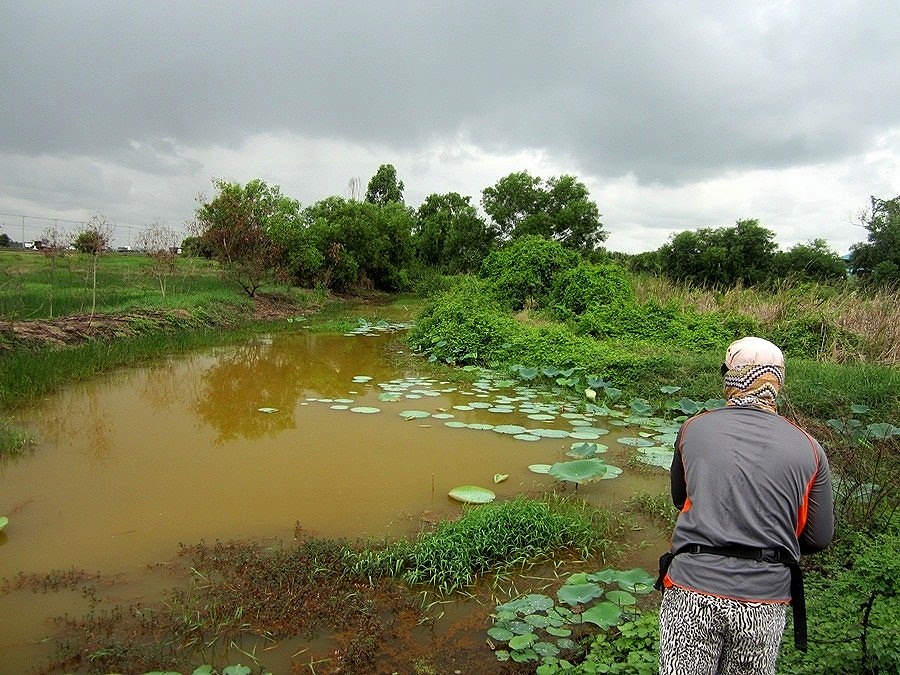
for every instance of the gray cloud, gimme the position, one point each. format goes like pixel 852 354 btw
pixel 670 93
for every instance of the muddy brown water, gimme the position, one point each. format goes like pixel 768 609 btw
pixel 131 464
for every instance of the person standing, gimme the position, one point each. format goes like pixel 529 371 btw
pixel 754 493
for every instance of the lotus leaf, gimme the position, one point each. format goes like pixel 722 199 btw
pixel 612 393
pixel 558 632
pixel 640 406
pixel 501 634
pixel 4 521
pixel 584 435
pixel 414 414
pixel 583 470
pixel 604 614
pixel 583 450
pixel 481 427
pixel 637 442
pixel 621 598
pixel 339 407
pixel 366 410
pixel 550 433
pixel 511 429
pixel 538 620
pixel 545 649
pixel 661 457
pixel 579 578
pixel 472 494
pixel 455 424
pixel 541 417
pixel 882 430
pixel 689 406
pixel 527 437
pixel 539 468
pixel 521 627
pixel 578 594
pixel 528 604
pixel 635 580
pixel 522 641
pixel 524 656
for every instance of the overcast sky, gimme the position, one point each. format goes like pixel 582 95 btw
pixel 676 115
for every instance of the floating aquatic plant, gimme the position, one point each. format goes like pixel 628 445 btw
pixel 472 494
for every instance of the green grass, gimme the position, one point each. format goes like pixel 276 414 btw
pixel 495 537
pixel 35 286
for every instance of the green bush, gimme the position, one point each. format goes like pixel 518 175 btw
pixel 853 611
pixel 463 325
pixel 670 325
pixel 587 285
pixel 523 273
pixel 814 336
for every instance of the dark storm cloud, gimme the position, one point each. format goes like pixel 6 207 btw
pixel 671 92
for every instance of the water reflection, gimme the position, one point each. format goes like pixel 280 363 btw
pixel 243 380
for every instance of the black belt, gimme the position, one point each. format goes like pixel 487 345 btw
pixel 778 556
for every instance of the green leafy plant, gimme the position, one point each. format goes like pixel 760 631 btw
pixel 488 538
pixel 866 464
pixel 537 628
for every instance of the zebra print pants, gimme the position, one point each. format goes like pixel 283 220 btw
pixel 706 635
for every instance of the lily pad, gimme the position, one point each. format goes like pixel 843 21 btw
pixel 604 614
pixel 579 594
pixel 527 437
pixel 539 468
pixel 511 429
pixel 583 470
pixel 472 494
pixel 637 442
pixel 365 410
pixel 661 457
pixel 414 414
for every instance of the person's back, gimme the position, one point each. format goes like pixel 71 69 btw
pixel 748 474
pixel 755 493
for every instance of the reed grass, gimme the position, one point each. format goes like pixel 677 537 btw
pixel 871 315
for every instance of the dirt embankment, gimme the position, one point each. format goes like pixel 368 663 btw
pixel 79 328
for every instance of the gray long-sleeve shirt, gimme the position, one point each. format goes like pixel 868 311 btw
pixel 743 476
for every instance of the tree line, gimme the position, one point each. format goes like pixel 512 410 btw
pixel 260 235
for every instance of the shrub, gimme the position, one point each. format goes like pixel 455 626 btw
pixel 814 336
pixel 587 285
pixel 464 324
pixel 670 325
pixel 523 273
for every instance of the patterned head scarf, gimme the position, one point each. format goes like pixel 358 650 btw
pixel 754 373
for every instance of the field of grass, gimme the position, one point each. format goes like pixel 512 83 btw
pixel 34 285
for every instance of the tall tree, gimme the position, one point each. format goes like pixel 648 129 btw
pixel 450 235
pixel 878 259
pixel 384 187
pixel 559 208
pixel 238 224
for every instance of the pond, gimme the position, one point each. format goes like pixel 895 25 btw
pixel 242 442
